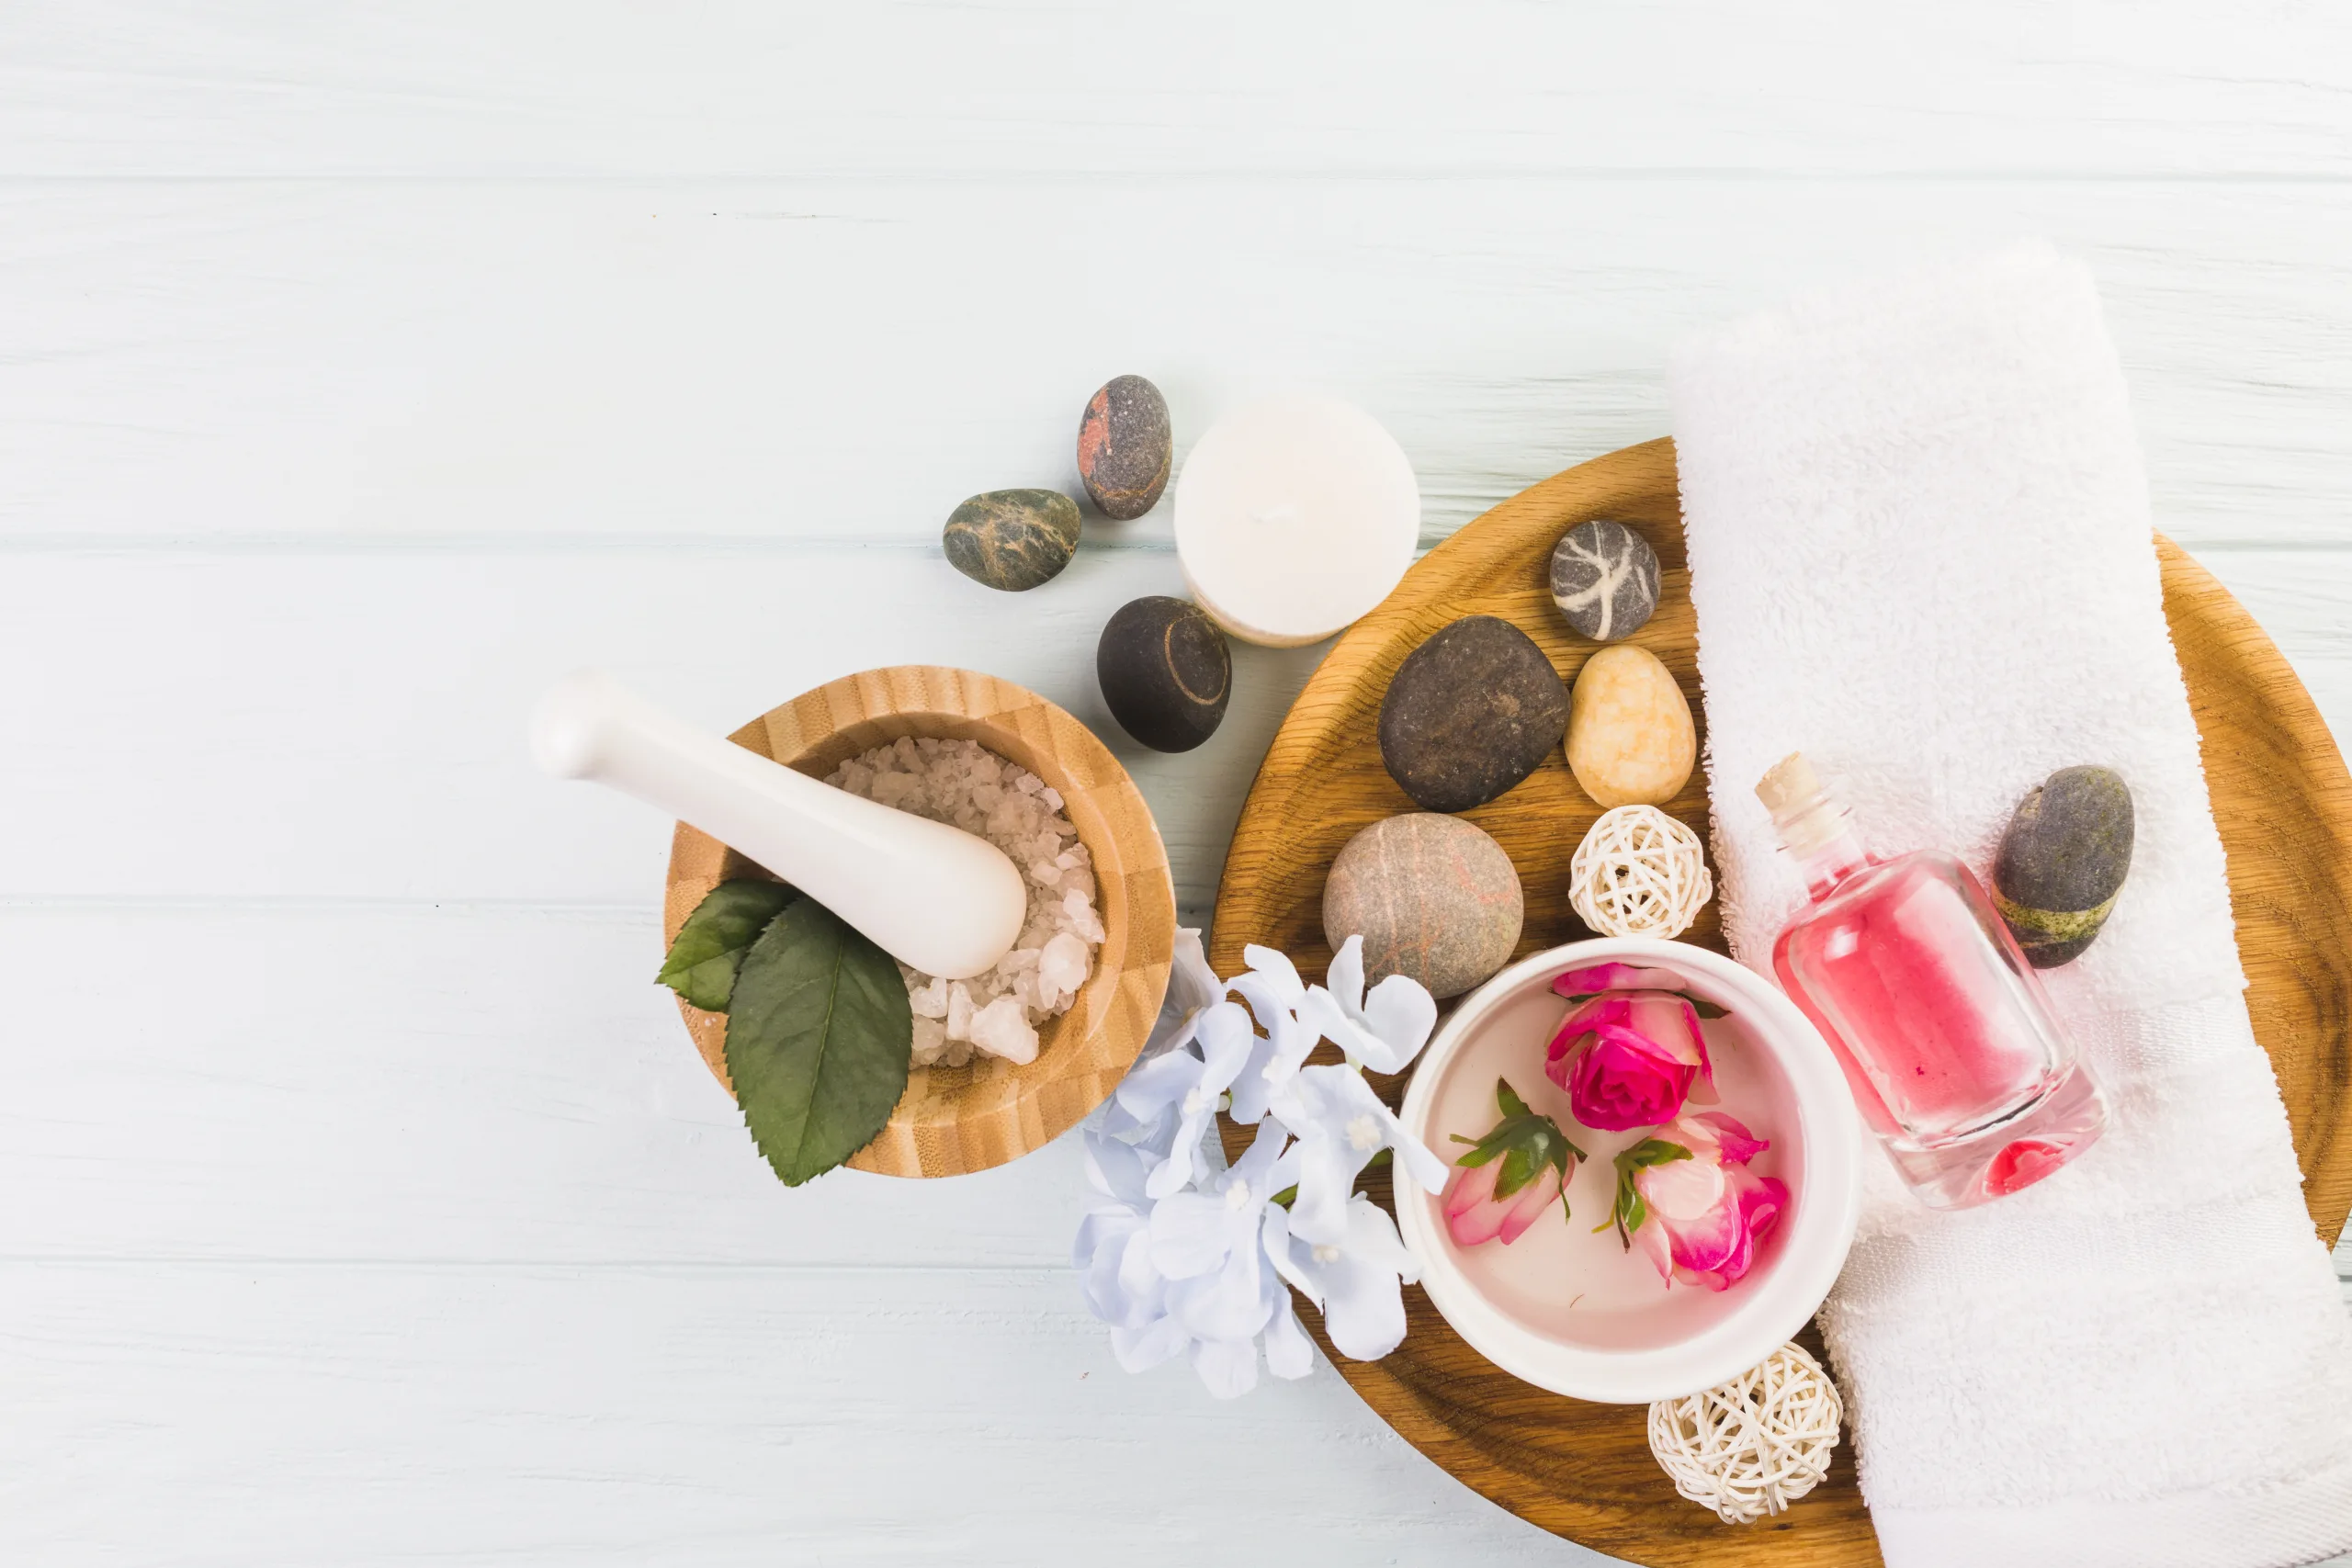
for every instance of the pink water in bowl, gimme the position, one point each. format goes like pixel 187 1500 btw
pixel 1562 1280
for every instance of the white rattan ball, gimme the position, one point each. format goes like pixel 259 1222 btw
pixel 1639 873
pixel 1754 1445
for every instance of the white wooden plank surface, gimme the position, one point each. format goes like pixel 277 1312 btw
pixel 411 364
pixel 360 370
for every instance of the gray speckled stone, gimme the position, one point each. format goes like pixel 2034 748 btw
pixel 1011 539
pixel 1604 579
pixel 1433 897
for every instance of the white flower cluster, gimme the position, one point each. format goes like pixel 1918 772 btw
pixel 1184 1256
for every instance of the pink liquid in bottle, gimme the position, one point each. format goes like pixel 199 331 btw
pixel 1954 1057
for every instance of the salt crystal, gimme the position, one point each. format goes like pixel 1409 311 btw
pixel 1002 1029
pixel 961 783
pixel 1064 962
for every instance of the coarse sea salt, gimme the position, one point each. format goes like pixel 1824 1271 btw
pixel 962 783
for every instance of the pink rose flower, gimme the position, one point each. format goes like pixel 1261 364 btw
pixel 1510 1177
pixel 1687 1196
pixel 1629 1058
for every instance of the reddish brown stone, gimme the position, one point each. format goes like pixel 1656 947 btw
pixel 1124 448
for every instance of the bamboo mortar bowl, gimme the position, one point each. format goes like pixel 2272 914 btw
pixel 954 1120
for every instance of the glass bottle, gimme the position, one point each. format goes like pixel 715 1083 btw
pixel 1955 1059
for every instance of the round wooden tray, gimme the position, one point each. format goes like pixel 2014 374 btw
pixel 1583 1471
pixel 952 1121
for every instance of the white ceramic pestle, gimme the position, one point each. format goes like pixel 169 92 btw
pixel 930 896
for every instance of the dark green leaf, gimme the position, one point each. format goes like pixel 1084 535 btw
pixel 712 943
pixel 1519 1170
pixel 817 1041
pixel 1526 1141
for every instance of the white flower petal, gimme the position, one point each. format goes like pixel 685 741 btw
pixel 1372 1240
pixel 1140 1349
pixel 1327 1175
pixel 1191 1234
pixel 1229 1370
pixel 1275 972
pixel 1263 1161
pixel 1291 1259
pixel 1400 1013
pixel 1345 976
pixel 1231 1303
pixel 1191 984
pixel 1153 1086
pixel 1143 1289
pixel 1289 1352
pixel 1224 1038
pixel 1115 1168
pixel 1363 1311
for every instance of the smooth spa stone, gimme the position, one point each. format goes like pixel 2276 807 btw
pixel 1295 515
pixel 1433 897
pixel 1631 739
pixel 1124 447
pixel 2062 863
pixel 1013 540
pixel 1469 714
pixel 1604 579
pixel 1166 673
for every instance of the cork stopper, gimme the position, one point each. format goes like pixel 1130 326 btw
pixel 1791 782
pixel 1804 812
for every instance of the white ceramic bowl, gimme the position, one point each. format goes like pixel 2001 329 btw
pixel 1692 1338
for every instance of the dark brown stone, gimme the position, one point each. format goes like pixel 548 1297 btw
pixel 1470 713
pixel 1011 539
pixel 1124 449
pixel 1166 673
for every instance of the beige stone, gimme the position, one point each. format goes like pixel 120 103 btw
pixel 1433 897
pixel 1631 741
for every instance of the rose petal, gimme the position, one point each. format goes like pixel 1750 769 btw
pixel 1652 1239
pixel 1616 977
pixel 1527 1205
pixel 1736 1144
pixel 1470 1186
pixel 1682 1192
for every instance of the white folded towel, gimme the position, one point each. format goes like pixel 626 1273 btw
pixel 1918 535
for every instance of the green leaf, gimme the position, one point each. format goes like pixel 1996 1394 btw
pixel 1519 1165
pixel 817 1041
pixel 712 943
pixel 1524 1140
pixel 1628 1212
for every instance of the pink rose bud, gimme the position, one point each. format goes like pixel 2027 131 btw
pixel 1630 1058
pixel 1687 1196
pixel 1510 1177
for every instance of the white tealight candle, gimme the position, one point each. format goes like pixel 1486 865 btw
pixel 1294 517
